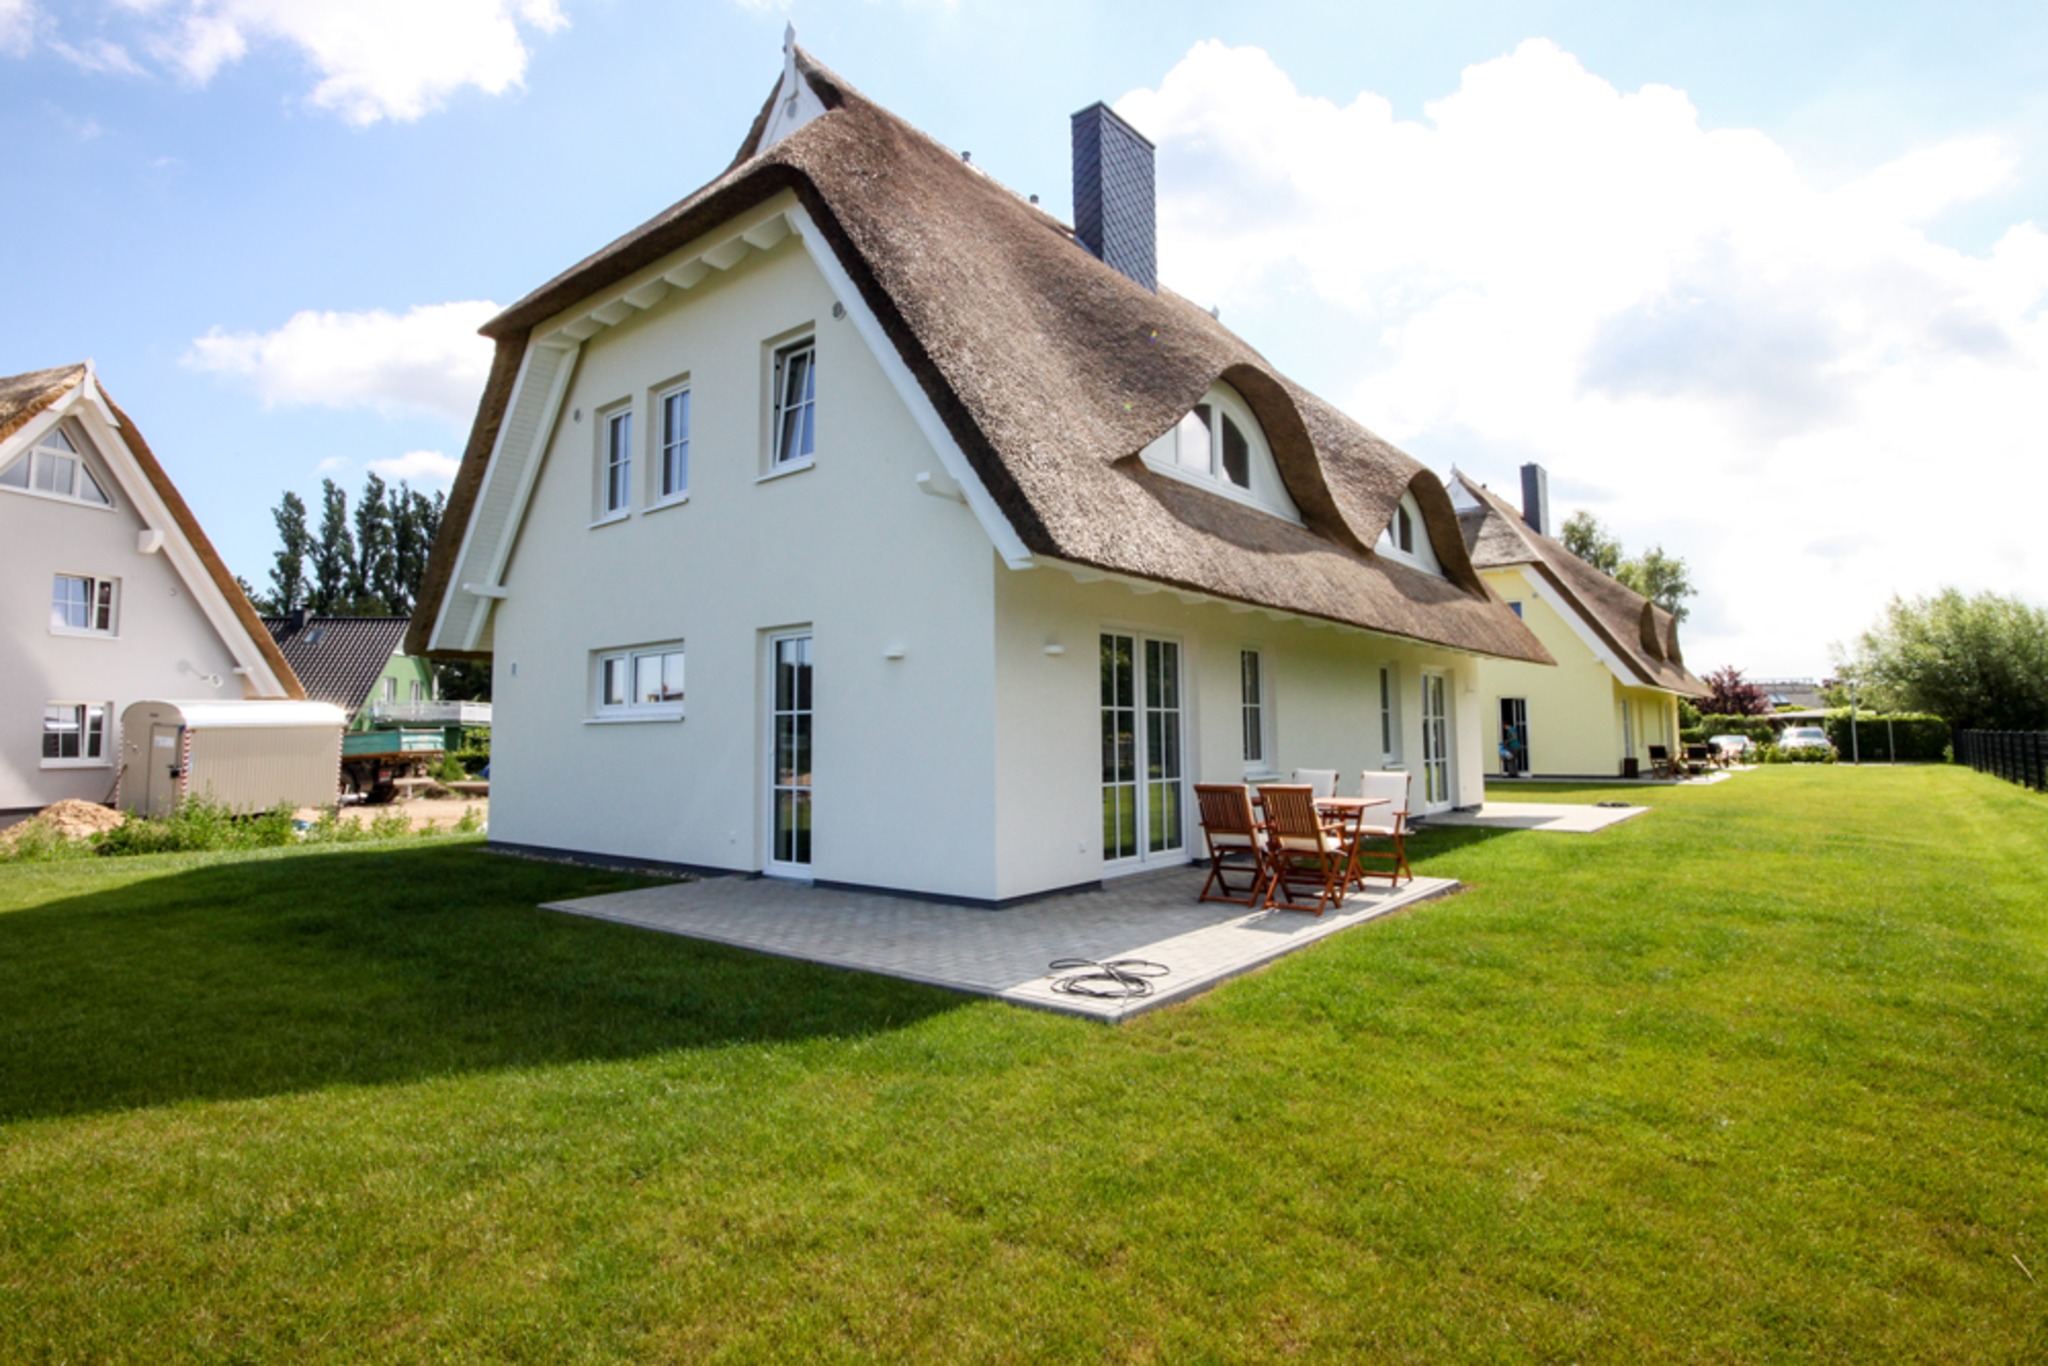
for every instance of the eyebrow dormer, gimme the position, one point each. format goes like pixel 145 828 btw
pixel 1220 446
pixel 1406 539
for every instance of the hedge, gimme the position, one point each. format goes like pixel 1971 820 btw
pixel 1758 728
pixel 1918 736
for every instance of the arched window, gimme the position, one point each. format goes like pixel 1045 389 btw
pixel 1406 538
pixel 53 467
pixel 1221 446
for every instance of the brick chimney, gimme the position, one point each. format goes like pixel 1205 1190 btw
pixel 1114 211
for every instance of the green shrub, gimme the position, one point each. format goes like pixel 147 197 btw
pixel 1773 754
pixel 1757 728
pixel 389 824
pixel 472 820
pixel 1919 737
pixel 198 823
pixel 450 770
pixel 34 842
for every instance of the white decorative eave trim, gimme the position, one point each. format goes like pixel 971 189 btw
pixel 994 521
pixel 715 255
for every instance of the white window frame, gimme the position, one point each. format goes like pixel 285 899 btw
pixel 624 665
pixel 780 411
pixel 1413 548
pixel 1256 712
pixel 1390 716
pixel 667 444
pixel 102 598
pixel 43 450
pixel 1264 488
pixel 86 714
pixel 614 452
pixel 418 691
pixel 389 690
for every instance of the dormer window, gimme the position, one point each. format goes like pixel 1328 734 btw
pixel 1407 538
pixel 54 468
pixel 1220 446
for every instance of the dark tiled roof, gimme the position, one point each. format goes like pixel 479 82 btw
pixel 1052 371
pixel 1643 634
pixel 338 659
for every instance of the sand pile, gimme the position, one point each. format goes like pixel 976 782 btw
pixel 71 820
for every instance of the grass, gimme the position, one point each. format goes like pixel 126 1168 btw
pixel 1757 1076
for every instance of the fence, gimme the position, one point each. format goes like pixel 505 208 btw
pixel 2018 756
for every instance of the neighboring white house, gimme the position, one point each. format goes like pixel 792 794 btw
pixel 113 593
pixel 1613 693
pixel 975 551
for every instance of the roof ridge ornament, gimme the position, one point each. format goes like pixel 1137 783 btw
pixel 795 104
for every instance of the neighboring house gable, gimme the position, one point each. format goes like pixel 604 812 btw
pixel 353 662
pixel 112 595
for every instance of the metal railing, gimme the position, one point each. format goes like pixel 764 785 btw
pixel 2018 756
pixel 433 713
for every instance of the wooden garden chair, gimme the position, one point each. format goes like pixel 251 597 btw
pixel 1388 823
pixel 1660 763
pixel 1302 850
pixel 1235 843
pixel 1322 780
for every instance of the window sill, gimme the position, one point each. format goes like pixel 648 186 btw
pixel 793 467
pixel 49 497
pixel 611 517
pixel 81 633
pixel 77 763
pixel 632 718
pixel 677 501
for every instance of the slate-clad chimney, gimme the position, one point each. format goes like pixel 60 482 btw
pixel 1114 214
pixel 1536 499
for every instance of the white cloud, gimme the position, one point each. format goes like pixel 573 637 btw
pixel 332 464
pixel 1795 387
pixel 418 467
pixel 429 360
pixel 17 27
pixel 373 59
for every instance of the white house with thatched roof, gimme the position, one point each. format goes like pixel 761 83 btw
pixel 114 594
pixel 854 519
pixel 1613 692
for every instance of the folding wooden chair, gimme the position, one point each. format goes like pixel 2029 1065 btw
pixel 1302 850
pixel 1389 823
pixel 1660 763
pixel 1234 840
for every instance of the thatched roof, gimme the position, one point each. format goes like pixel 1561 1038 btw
pixel 1644 635
pixel 1052 371
pixel 22 397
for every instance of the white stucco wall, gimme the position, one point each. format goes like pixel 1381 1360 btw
pixel 163 645
pixel 1323 697
pixel 851 547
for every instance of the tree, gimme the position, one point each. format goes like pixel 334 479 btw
pixel 334 554
pixel 1661 578
pixel 264 606
pixel 1979 662
pixel 1734 696
pixel 1586 538
pixel 295 546
pixel 375 583
pixel 415 521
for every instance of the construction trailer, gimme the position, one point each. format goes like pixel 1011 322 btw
pixel 247 756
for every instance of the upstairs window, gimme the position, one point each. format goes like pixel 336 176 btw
pixel 82 605
pixel 1407 537
pixel 1219 446
pixel 674 409
pixel 54 467
pixel 615 496
pixel 796 396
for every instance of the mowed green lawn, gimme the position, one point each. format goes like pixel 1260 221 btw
pixel 1758 1076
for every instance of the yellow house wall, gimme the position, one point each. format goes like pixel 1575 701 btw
pixel 1575 709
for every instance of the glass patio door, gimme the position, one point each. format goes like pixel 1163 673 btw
pixel 1514 736
pixel 1143 775
pixel 1436 743
pixel 789 760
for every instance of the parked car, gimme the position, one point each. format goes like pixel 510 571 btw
pixel 1734 749
pixel 1804 737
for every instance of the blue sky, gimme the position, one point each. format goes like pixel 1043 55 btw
pixel 1758 282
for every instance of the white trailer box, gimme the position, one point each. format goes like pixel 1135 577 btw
pixel 248 756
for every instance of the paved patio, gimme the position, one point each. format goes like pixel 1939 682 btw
pixel 1005 954
pixel 1555 817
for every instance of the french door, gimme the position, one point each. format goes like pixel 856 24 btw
pixel 790 736
pixel 1143 774
pixel 1436 742
pixel 1514 736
